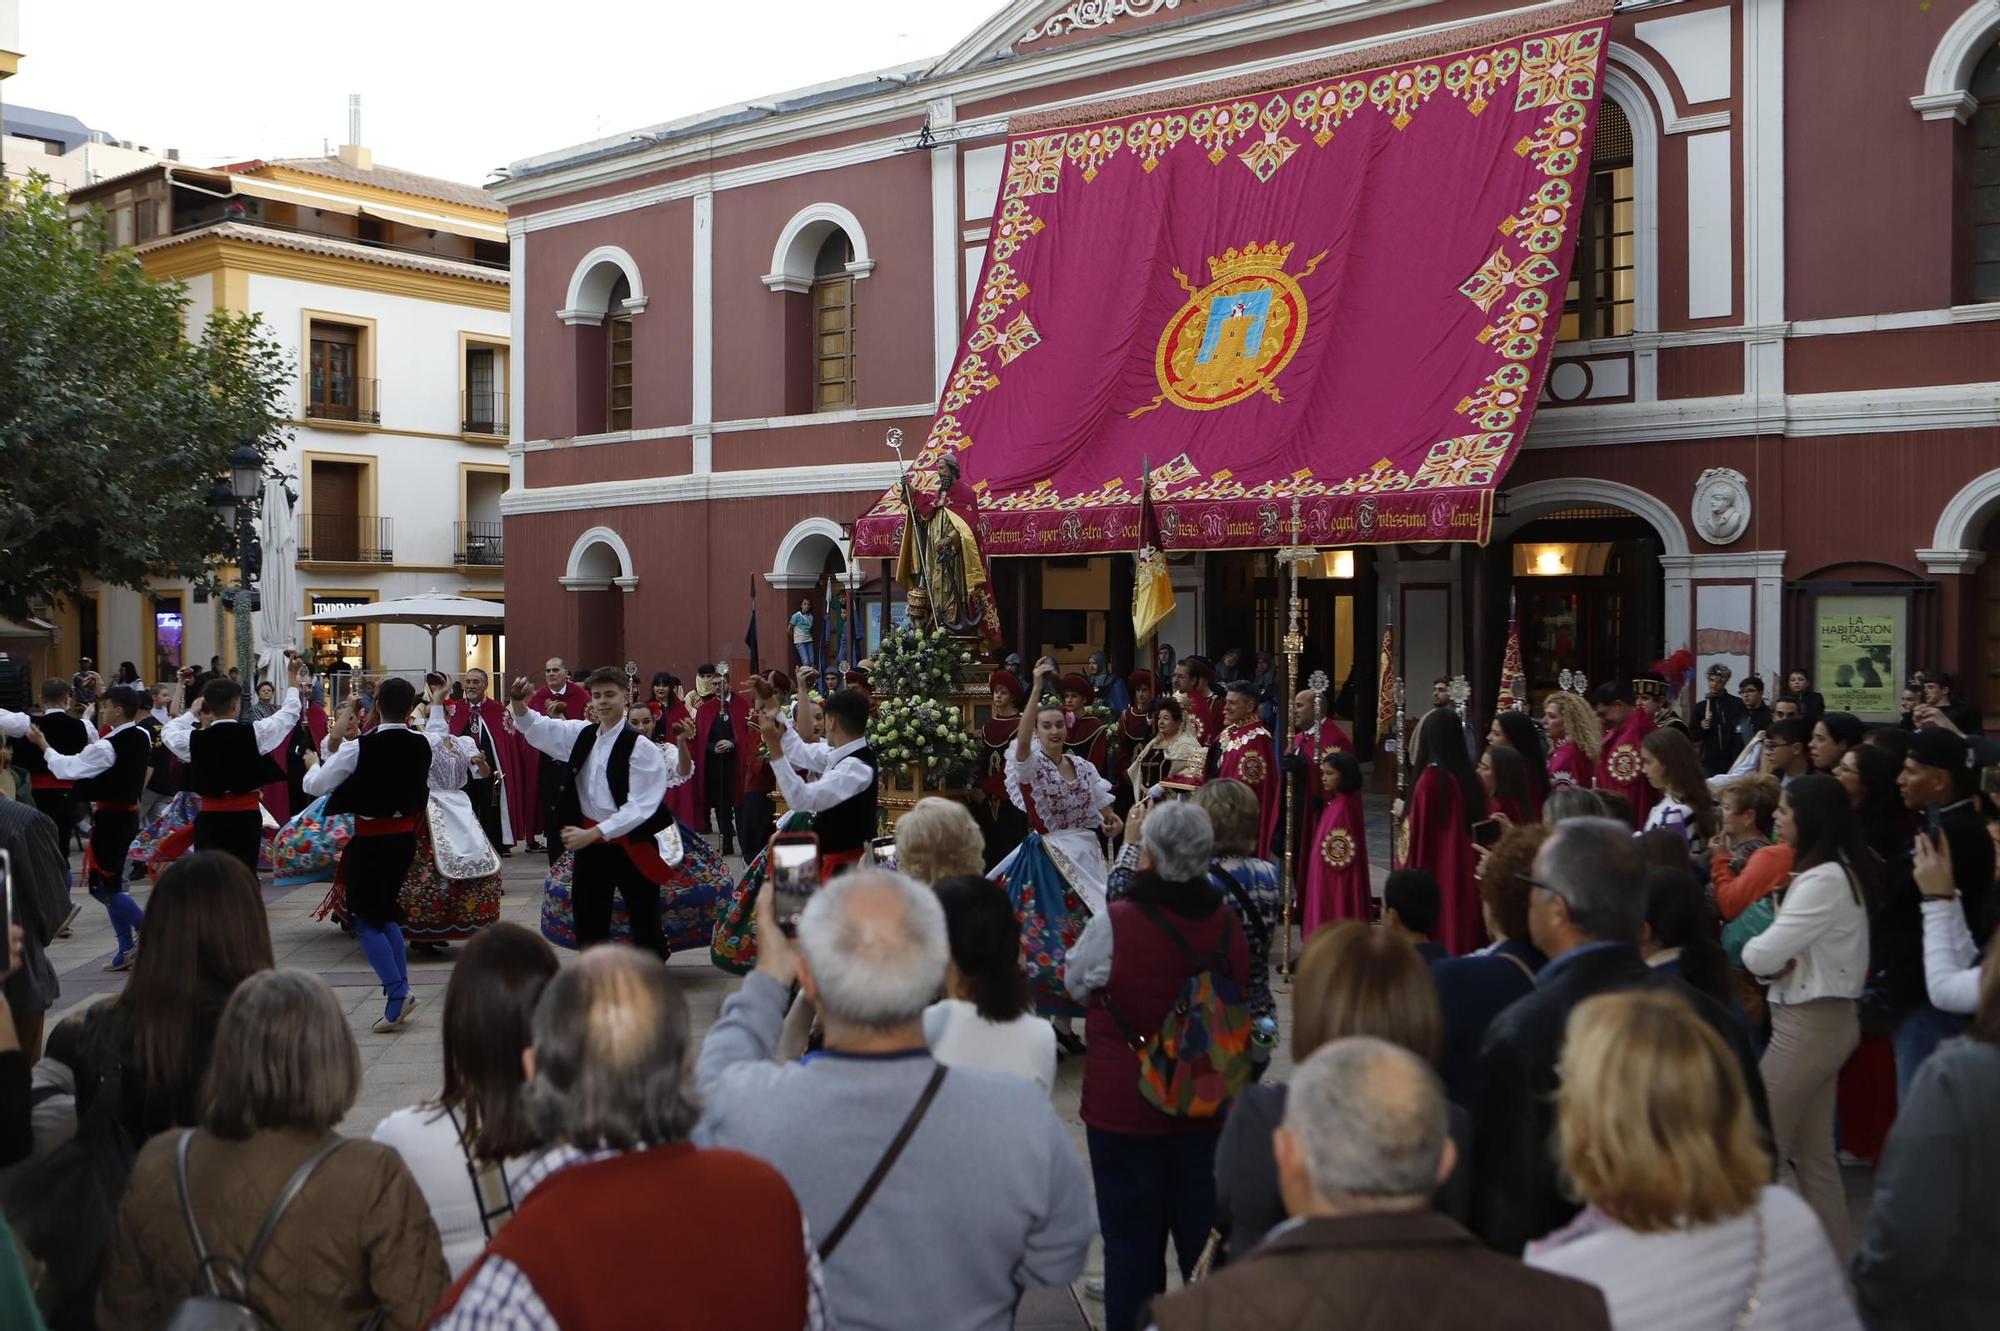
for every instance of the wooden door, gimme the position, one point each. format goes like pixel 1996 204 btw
pixel 336 511
pixel 1986 615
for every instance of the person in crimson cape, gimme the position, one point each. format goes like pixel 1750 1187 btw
pixel 1002 824
pixel 111 773
pixel 1310 743
pixel 1194 685
pixel 940 552
pixel 227 766
pixel 1444 804
pixel 1618 766
pixel 1132 730
pixel 1089 738
pixel 721 734
pixel 1575 739
pixel 1245 752
pixel 529 803
pixel 480 718
pixel 383 780
pixel 612 809
pixel 1336 865
pixel 757 815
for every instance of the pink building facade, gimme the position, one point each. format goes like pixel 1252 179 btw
pixel 1771 434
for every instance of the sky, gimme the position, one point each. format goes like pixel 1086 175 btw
pixel 447 89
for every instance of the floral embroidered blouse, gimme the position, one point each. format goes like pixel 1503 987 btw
pixel 1063 806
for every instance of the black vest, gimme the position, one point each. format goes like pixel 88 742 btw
pixel 850 824
pixel 132 751
pixel 223 759
pixel 65 734
pixel 617 775
pixel 391 780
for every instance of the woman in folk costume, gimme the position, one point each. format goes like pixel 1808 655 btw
pixel 1337 886
pixel 1446 801
pixel 1057 875
pixel 700 877
pixel 306 849
pixel 1576 735
pixel 452 888
pixel 1173 754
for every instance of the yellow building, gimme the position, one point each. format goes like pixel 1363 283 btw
pixel 389 290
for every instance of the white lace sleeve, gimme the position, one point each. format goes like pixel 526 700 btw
pixel 451 765
pixel 1021 774
pixel 1094 781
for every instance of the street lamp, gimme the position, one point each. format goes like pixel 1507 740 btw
pixel 235 502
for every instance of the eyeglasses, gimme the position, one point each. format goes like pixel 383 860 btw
pixel 1534 882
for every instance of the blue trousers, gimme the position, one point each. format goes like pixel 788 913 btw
pixel 1918 1034
pixel 1149 1187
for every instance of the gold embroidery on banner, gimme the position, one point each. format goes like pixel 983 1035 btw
pixel 1233 337
pixel 1403 90
pixel 1473 78
pixel 1034 166
pixel 1273 150
pixel 1322 109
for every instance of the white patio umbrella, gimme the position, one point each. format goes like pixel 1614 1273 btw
pixel 432 611
pixel 280 583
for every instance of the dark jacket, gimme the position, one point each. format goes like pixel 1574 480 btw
pixel 1896 921
pixel 1515 1195
pixel 108 1045
pixel 1472 991
pixel 1723 739
pixel 1247 1204
pixel 1392 1269
pixel 1931 1256
pixel 41 903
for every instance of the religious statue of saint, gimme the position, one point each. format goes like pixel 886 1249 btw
pixel 940 553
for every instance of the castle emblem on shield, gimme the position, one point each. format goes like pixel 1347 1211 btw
pixel 1233 337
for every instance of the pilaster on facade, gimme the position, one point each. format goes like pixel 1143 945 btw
pixel 945 249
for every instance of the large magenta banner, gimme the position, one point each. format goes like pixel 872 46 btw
pixel 1321 312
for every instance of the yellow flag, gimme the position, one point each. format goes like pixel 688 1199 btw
pixel 1152 584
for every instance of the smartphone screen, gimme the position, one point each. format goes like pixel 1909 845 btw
pixel 6 898
pixel 794 867
pixel 883 851
pixel 1486 832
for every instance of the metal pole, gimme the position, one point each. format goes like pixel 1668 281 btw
pixel 1295 642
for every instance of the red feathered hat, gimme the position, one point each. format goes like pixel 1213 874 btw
pixel 781 681
pixel 1006 679
pixel 1078 684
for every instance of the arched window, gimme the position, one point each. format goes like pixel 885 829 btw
pixel 618 359
pixel 1983 171
pixel 1604 279
pixel 833 324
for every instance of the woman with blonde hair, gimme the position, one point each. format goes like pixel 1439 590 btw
pixel 1575 736
pixel 1352 979
pixel 1744 864
pixel 1682 1228
pixel 938 838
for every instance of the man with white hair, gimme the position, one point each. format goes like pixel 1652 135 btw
pixel 618 1190
pixel 934 1199
pixel 1364 1144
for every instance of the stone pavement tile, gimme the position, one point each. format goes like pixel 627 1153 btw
pixel 1050 1308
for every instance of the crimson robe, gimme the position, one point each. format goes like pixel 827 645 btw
pixel 1246 753
pixel 1088 739
pixel 1619 768
pixel 683 800
pixel 1307 747
pixel 1569 767
pixel 1336 869
pixel 1441 843
pixel 716 707
pixel 1206 714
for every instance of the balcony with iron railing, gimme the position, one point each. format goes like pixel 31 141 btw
pixel 478 544
pixel 483 411
pixel 343 538
pixel 356 401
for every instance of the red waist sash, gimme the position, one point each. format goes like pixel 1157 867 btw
pixel 397 826
pixel 106 806
pixel 43 781
pixel 644 852
pixel 229 803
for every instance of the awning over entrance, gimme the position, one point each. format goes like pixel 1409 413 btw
pixel 1318 303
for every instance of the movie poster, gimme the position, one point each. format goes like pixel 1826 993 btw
pixel 1859 654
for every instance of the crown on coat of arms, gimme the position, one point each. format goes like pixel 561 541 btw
pixel 1251 258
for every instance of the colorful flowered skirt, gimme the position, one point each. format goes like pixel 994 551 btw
pixel 171 835
pixel 1052 914
pixel 687 905
pixel 307 849
pixel 733 946
pixel 430 907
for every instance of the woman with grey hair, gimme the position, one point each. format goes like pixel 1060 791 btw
pixel 1155 1172
pixel 356 1239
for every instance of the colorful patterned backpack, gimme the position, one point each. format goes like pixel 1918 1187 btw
pixel 1198 1061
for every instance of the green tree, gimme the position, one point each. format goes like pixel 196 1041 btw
pixel 114 422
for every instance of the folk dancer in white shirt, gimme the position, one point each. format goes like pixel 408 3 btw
pixel 612 812
pixel 383 779
pixel 228 766
pixel 110 772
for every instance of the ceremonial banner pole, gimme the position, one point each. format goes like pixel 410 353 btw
pixel 1295 643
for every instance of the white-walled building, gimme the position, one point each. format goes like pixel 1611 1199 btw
pixel 389 292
